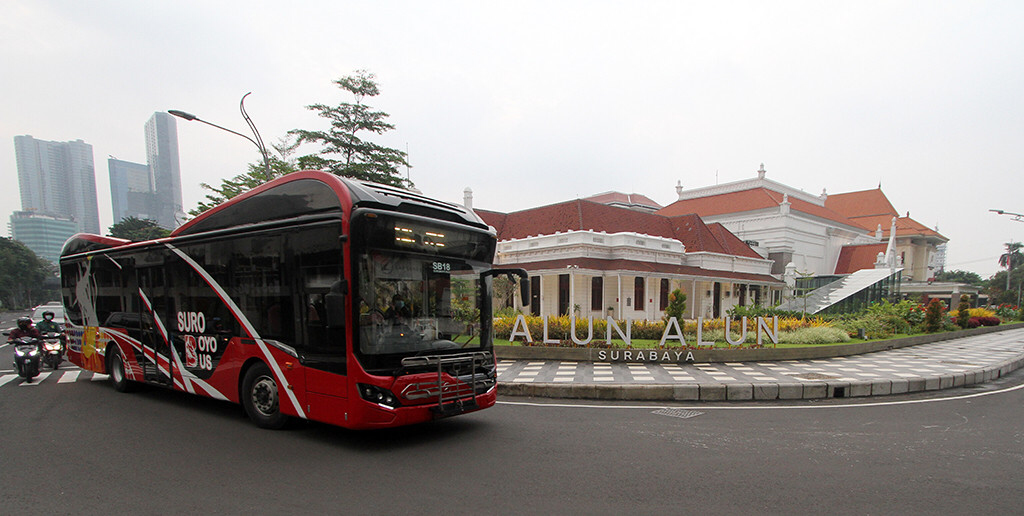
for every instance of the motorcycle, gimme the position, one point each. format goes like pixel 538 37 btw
pixel 53 349
pixel 26 357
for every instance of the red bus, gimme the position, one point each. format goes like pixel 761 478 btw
pixel 313 296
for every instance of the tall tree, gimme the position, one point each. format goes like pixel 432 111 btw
pixel 1012 257
pixel 343 152
pixel 255 176
pixel 137 230
pixel 22 275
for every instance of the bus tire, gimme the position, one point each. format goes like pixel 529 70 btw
pixel 261 397
pixel 115 367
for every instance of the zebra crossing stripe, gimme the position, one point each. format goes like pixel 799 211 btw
pixel 6 378
pixel 37 380
pixel 69 376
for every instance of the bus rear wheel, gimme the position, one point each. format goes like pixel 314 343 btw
pixel 260 397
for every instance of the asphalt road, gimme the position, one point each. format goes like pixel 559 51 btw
pixel 80 447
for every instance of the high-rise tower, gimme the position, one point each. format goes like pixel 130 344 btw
pixel 58 178
pixel 162 156
pixel 131 190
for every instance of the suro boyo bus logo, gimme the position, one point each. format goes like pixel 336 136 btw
pixel 199 349
pixel 191 357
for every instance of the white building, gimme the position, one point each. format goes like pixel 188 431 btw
pixel 821 235
pixel 594 259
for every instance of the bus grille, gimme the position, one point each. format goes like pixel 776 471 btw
pixel 460 378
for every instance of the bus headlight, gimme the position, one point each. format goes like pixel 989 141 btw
pixel 378 395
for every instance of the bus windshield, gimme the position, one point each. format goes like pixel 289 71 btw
pixel 412 304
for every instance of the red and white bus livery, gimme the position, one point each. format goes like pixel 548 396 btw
pixel 313 296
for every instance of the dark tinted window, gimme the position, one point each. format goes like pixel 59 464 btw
pixel 289 200
pixel 596 293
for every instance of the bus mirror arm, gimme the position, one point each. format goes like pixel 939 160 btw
pixel 524 281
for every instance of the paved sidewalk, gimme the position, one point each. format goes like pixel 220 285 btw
pixel 940 365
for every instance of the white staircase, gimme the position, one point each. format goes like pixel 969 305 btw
pixel 837 291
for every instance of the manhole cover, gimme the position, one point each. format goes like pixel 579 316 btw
pixel 814 376
pixel 680 413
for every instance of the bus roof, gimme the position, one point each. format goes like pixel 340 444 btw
pixel 296 194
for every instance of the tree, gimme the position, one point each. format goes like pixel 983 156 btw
pixel 256 176
pixel 22 275
pixel 137 230
pixel 344 152
pixel 1012 257
pixel 958 276
pixel 676 305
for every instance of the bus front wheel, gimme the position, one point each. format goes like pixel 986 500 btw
pixel 260 397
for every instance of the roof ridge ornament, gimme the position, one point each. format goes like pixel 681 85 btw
pixel 761 172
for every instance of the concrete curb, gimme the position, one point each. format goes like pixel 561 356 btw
pixel 759 391
pixel 746 355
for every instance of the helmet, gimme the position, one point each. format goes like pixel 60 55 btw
pixel 47 313
pixel 24 323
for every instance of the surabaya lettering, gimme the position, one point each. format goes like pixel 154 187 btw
pixel 617 355
pixel 673 331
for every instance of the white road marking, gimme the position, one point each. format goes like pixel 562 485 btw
pixel 37 380
pixel 6 378
pixel 97 377
pixel 69 376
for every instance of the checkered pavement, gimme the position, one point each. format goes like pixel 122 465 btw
pixel 926 360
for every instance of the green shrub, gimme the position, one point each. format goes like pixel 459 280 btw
pixel 963 312
pixel 819 335
pixel 933 319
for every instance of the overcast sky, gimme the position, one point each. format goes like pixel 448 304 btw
pixel 532 103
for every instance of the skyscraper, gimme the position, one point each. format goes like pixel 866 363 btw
pixel 162 156
pixel 131 190
pixel 58 179
pixel 43 234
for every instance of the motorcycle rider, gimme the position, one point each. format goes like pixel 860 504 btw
pixel 47 325
pixel 24 329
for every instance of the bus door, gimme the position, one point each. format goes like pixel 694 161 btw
pixel 322 345
pixel 153 325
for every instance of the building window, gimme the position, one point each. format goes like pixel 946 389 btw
pixel 563 294
pixel 638 293
pixel 596 293
pixel 663 295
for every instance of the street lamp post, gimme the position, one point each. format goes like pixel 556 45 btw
pixel 258 142
pixel 1019 217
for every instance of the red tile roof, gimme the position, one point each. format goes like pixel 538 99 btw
pixel 905 226
pixel 582 215
pixel 865 203
pixel 637 266
pixel 871 208
pixel 853 258
pixel 749 200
